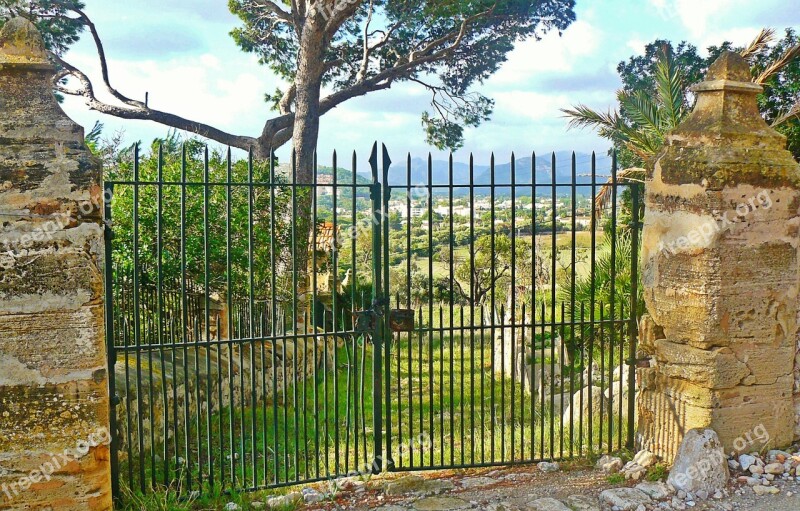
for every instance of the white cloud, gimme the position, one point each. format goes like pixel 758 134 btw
pixel 637 45
pixel 553 53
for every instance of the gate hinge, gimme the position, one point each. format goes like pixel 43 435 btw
pixel 638 362
pixel 379 304
pixel 375 191
pixel 108 228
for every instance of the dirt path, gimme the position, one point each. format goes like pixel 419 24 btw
pixel 518 489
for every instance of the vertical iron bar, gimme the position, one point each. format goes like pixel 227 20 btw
pixel 160 292
pixel 273 333
pixel 334 315
pixel 513 290
pixel 553 278
pixel 384 323
pixel 430 306
pixel 451 241
pixel 137 319
pixel 493 274
pixel 592 299
pixel 377 288
pixel 613 277
pixel 634 312
pixel 534 268
pixel 206 271
pixel 571 351
pixel 111 359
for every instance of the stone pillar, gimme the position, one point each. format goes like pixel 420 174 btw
pixel 54 404
pixel 720 274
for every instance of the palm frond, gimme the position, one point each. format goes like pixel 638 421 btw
pixel 762 40
pixel 604 195
pixel 582 116
pixel 793 113
pixel 789 55
pixel 670 90
pixel 642 110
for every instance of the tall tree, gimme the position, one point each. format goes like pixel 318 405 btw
pixel 330 51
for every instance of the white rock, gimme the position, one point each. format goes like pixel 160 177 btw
pixel 774 468
pixel 625 499
pixel 289 500
pixel 582 503
pixel 734 465
pixel 621 372
pixel 745 460
pixel 645 458
pixel 633 471
pixel 609 464
pixel 232 506
pixel 700 463
pixel 312 496
pixel 655 490
pixel 547 504
pixel 546 466
pixel 764 490
pixel 580 404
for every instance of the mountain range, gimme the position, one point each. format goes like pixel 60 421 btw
pixel 440 174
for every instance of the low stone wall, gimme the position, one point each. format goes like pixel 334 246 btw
pixel 160 389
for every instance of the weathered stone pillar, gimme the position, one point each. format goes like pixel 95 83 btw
pixel 720 273
pixel 54 402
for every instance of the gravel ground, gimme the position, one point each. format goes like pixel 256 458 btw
pixel 512 489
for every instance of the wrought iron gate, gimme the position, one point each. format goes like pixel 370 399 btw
pixel 446 321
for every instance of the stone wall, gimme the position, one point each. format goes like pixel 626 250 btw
pixel 720 273
pixel 53 381
pixel 175 384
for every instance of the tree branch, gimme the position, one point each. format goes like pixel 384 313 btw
pixel 104 64
pixel 340 12
pixel 273 8
pixel 142 112
pixel 285 104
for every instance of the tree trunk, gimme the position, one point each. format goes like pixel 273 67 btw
pixel 308 83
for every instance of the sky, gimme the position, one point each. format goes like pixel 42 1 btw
pixel 181 53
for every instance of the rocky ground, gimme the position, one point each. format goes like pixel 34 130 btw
pixel 755 483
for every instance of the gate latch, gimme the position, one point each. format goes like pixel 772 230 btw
pixel 401 320
pixel 364 322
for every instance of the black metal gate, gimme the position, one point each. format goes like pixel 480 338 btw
pixel 268 328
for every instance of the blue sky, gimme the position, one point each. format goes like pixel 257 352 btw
pixel 180 52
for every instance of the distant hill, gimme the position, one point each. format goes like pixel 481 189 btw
pixel 440 174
